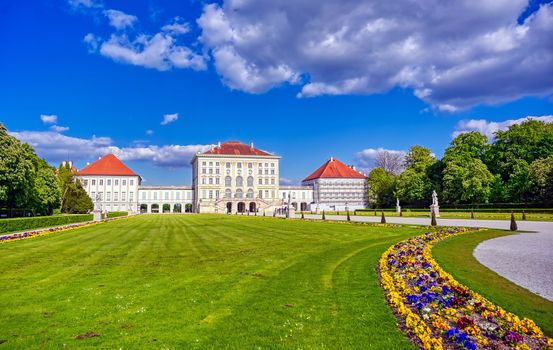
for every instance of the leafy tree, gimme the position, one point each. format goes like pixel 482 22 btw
pixel 414 184
pixel 26 181
pixel 467 146
pixel 381 187
pixel 541 174
pixel 468 181
pixel 520 183
pixel 528 141
pixel 74 199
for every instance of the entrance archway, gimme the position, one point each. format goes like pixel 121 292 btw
pixel 303 206
pixel 229 207
pixel 253 207
pixel 166 208
pixel 295 205
pixel 143 208
pixel 155 208
pixel 177 208
pixel 188 208
pixel 241 207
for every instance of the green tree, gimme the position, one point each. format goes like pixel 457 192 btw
pixel 381 187
pixel 74 199
pixel 47 196
pixel 467 146
pixel 468 181
pixel 414 184
pixel 541 174
pixel 519 185
pixel 528 141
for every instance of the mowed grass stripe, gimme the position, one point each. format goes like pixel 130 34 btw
pixel 200 281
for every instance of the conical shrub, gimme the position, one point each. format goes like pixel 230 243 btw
pixel 348 218
pixel 400 212
pixel 523 215
pixel 433 219
pixel 472 214
pixel 324 216
pixel 514 226
pixel 383 218
pixel 303 217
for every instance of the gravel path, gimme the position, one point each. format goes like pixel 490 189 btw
pixel 525 258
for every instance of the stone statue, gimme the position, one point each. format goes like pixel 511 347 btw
pixel 435 207
pixel 97 201
pixel 97 212
pixel 398 207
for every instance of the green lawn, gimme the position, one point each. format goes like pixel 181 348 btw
pixel 467 270
pixel 200 281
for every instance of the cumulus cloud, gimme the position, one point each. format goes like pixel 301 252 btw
pixel 453 55
pixel 160 51
pixel 49 119
pixel 58 128
pixel 84 3
pixel 284 181
pixel 56 147
pixel 373 157
pixel 149 132
pixel 488 128
pixel 178 27
pixel 119 19
pixel 169 118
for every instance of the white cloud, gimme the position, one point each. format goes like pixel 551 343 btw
pixel 56 147
pixel 453 55
pixel 488 128
pixel 178 27
pixel 149 132
pixel 58 128
pixel 84 3
pixel 160 51
pixel 119 19
pixel 169 118
pixel 284 181
pixel 366 159
pixel 49 119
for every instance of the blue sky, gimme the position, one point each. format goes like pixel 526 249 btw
pixel 110 71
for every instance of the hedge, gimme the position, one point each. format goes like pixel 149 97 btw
pixel 114 214
pixel 22 224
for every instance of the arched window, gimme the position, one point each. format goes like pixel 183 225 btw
pixel 239 193
pixel 239 181
pixel 228 181
pixel 228 194
pixel 250 181
pixel 250 193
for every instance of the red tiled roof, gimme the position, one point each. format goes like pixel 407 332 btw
pixel 107 165
pixel 237 148
pixel 333 169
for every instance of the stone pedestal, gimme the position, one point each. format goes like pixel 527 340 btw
pixel 97 215
pixel 435 209
pixel 292 213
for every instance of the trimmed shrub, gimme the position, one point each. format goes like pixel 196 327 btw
pixel 303 217
pixel 324 217
pixel 348 217
pixel 523 215
pixel 433 219
pixel 22 224
pixel 383 218
pixel 514 225
pixel 115 214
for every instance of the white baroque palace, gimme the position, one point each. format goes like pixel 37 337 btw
pixel 228 178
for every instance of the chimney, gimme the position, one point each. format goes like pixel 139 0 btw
pixel 87 163
pixel 219 144
pixel 331 159
pixel 251 144
pixel 353 167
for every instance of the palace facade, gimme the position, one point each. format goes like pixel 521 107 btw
pixel 230 177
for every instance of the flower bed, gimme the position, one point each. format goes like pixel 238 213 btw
pixel 438 312
pixel 48 231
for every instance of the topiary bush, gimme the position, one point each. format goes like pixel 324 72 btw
pixel 22 224
pixel 114 214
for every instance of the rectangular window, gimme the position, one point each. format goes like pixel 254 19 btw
pixel 131 182
pixel 131 196
pixel 85 183
pixel 273 165
pixel 93 182
pixel 266 181
pixel 272 194
pixel 101 182
pixel 216 163
pixel 108 196
pixel 101 194
pixel 272 171
pixel 210 170
pixel 203 181
pixel 143 196
pixel 216 170
pixel 93 195
pixel 203 163
pixel 204 171
pixel 266 165
pixel 266 171
pixel 210 194
pixel 250 165
pixel 266 193
pixel 261 181
pixel 260 171
pixel 216 180
pixel 239 165
pixel 272 181
pixel 155 196
pixel 109 182
pixel 260 194
pixel 166 196
pixel 210 163
pixel 116 182
pixel 115 196
pixel 177 195
pixel 124 182
pixel 211 181
pixel 217 194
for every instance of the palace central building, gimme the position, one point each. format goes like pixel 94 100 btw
pixel 228 178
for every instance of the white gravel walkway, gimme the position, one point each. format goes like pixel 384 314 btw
pixel 525 258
